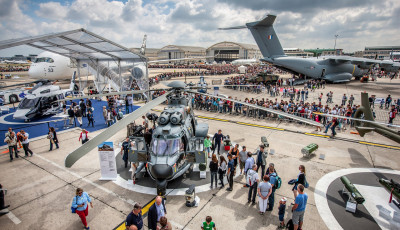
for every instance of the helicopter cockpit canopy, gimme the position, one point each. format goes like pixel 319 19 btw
pixel 166 147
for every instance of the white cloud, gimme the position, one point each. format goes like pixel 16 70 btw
pixel 195 22
pixel 52 10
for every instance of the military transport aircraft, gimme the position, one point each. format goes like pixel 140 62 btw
pixel 177 141
pixel 330 68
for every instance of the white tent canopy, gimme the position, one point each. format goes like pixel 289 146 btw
pixel 78 44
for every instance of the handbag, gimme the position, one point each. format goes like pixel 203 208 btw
pixel 292 181
pixel 306 185
pixel 73 210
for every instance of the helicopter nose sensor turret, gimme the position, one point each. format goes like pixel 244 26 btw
pixel 162 171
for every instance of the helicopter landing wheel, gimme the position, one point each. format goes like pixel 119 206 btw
pixel 161 191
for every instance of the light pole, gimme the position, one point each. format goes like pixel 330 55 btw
pixel 336 36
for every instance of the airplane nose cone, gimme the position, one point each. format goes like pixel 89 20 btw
pixel 162 171
pixel 35 72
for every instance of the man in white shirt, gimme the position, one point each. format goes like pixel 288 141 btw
pixel 252 179
pixel 25 142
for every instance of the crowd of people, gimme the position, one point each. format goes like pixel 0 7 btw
pixel 263 183
pixel 295 102
pixel 14 68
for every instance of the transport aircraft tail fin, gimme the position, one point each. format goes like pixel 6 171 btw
pixel 264 35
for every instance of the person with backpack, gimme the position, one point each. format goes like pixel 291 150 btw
pixel 252 179
pixel 273 180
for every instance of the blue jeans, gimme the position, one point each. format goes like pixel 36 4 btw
pixel 327 127
pixel 51 145
pixel 214 178
pixel 271 200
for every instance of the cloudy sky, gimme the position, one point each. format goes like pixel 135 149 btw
pixel 300 23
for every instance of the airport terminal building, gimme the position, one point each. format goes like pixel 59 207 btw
pixel 381 52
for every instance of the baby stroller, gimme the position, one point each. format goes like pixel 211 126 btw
pixel 227 143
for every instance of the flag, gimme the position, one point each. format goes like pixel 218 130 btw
pixel 269 37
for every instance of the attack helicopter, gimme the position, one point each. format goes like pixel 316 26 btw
pixel 177 141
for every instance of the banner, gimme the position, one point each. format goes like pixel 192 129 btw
pixel 108 166
pixel 216 90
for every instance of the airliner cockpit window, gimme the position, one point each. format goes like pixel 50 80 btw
pixel 44 59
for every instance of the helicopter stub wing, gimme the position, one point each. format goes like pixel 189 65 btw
pixel 277 112
pixel 109 132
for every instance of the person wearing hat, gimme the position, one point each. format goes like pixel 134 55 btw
pixel 281 212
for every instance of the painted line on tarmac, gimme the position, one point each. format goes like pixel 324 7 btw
pixel 12 217
pixel 379 145
pixel 145 210
pixel 304 133
pixel 129 201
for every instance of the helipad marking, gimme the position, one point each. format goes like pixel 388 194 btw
pixel 321 189
pixel 3 121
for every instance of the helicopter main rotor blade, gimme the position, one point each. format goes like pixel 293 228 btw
pixel 104 94
pixel 357 119
pixel 277 112
pixel 109 132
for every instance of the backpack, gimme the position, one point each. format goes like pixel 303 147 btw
pixel 290 225
pixel 278 182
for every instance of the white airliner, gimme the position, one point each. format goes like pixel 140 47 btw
pixel 51 66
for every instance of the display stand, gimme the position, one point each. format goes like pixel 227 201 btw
pixel 351 204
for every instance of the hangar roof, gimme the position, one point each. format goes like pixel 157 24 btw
pixel 79 44
pixel 183 48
